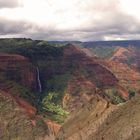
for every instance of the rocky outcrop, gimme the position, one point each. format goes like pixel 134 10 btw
pixel 99 120
pixel 19 69
pixel 82 118
pixel 53 127
pixel 15 124
pixel 79 91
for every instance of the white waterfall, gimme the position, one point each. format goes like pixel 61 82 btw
pixel 38 80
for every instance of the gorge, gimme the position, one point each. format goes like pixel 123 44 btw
pixel 79 91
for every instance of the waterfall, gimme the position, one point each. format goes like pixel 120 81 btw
pixel 38 80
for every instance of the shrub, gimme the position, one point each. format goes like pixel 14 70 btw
pixel 50 107
pixel 113 95
pixel 131 93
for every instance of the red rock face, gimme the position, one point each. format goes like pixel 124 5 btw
pixel 75 60
pixel 79 91
pixel 87 76
pixel 29 109
pixel 53 127
pixel 127 76
pixel 19 69
pixel 91 77
pixel 95 71
pixel 129 56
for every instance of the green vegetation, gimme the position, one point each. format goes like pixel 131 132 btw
pixel 51 106
pixel 48 57
pixel 51 109
pixel 105 51
pixel 114 96
pixel 22 91
pixel 132 93
pixel 55 72
pixel 58 85
pixel 29 48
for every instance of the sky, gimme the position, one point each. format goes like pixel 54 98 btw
pixel 83 20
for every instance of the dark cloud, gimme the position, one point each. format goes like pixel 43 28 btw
pixel 123 26
pixel 120 26
pixel 104 23
pixel 9 3
pixel 16 27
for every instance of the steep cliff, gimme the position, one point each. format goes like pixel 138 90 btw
pixel 99 120
pixel 17 68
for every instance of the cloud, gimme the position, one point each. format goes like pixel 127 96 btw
pixel 9 3
pixel 75 20
pixel 15 27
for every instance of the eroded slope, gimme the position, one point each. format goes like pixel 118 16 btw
pixel 102 121
pixel 15 124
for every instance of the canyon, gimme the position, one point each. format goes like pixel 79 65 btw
pixel 68 91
